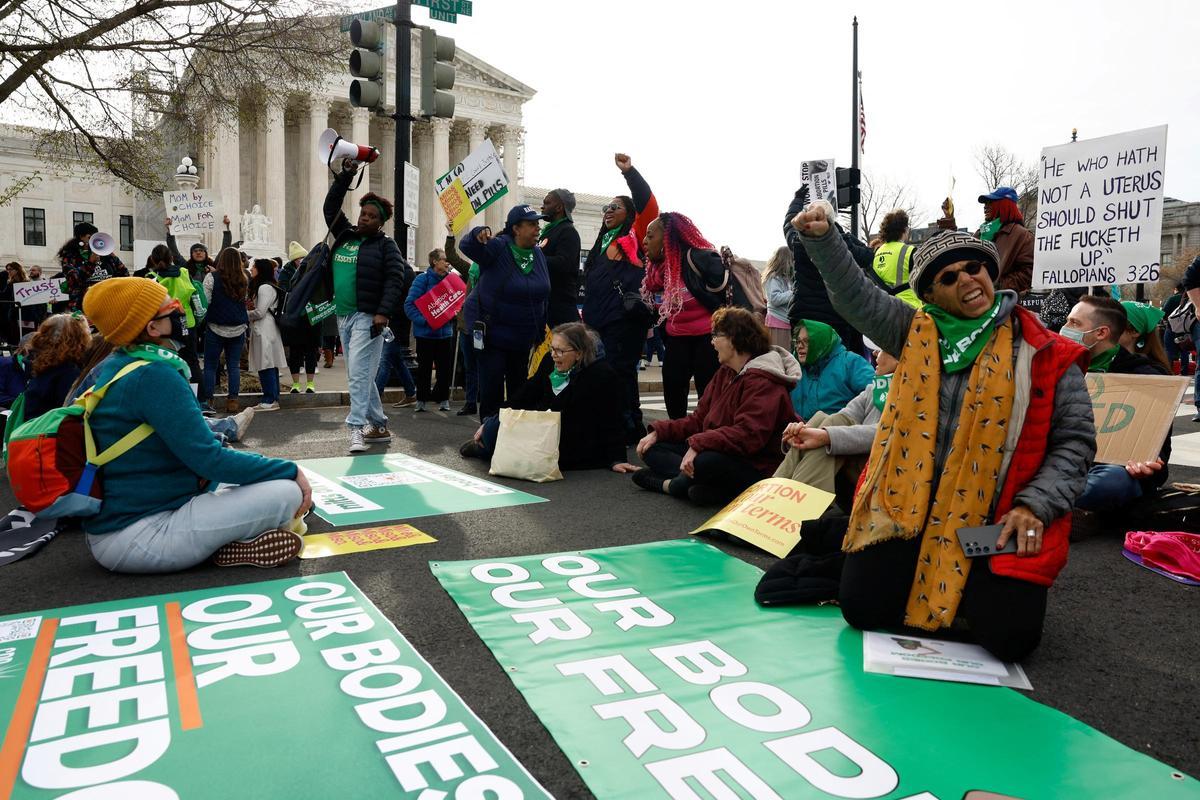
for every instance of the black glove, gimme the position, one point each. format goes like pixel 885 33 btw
pixel 802 194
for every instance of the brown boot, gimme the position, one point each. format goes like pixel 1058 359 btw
pixel 328 353
pixel 231 406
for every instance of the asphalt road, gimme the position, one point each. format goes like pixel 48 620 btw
pixel 1120 649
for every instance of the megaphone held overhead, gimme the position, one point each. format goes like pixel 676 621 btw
pixel 102 244
pixel 331 147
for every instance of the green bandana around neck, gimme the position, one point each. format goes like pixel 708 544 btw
pixel 988 230
pixel 549 226
pixel 821 339
pixel 961 340
pixel 608 238
pixel 1103 362
pixel 523 256
pixel 879 391
pixel 153 352
pixel 559 380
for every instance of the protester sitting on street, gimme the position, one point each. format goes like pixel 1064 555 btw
pixel 559 241
pixel 612 270
pixel 507 310
pixel 226 288
pixel 435 346
pixel 159 512
pixel 1004 226
pixel 198 262
pixel 1099 323
pixel 467 355
pixel 366 282
pixel 831 376
pixel 826 445
pixel 1001 432
pixel 673 247
pixel 83 268
pixel 1143 333
pixel 779 285
pixel 583 388
pixel 56 354
pixel 732 438
pixel 267 356
pixel 893 257
pixel 303 341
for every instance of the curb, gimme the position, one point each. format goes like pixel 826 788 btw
pixel 327 399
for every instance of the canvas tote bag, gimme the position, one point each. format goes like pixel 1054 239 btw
pixel 527 445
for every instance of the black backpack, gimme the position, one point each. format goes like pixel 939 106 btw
pixel 308 285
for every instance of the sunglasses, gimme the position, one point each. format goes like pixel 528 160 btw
pixel 168 309
pixel 950 277
pixel 612 207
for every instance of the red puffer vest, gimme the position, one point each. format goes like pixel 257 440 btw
pixel 1053 356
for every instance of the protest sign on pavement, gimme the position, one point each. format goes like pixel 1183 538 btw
pixel 1133 414
pixel 192 211
pixel 289 688
pixel 442 302
pixel 46 290
pixel 769 513
pixel 821 179
pixel 338 543
pixel 472 185
pixel 1099 210
pixel 656 673
pixel 909 656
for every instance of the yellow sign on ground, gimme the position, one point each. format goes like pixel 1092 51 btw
pixel 769 513
pixel 321 545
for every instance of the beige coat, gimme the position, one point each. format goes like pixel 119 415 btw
pixel 266 343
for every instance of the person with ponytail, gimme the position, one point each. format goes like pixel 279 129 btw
pixel 676 250
pixel 1004 226
pixel 226 288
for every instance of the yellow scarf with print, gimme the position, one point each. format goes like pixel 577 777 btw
pixel 895 501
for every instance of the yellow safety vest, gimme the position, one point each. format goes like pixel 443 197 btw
pixel 888 268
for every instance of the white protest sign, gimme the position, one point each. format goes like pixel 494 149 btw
pixel 46 290
pixel 192 211
pixel 412 193
pixel 1099 218
pixel 473 185
pixel 821 179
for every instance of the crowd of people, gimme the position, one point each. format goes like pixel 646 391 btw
pixel 911 381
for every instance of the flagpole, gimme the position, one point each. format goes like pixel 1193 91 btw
pixel 854 133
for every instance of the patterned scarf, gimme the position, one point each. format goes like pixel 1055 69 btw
pixel 895 500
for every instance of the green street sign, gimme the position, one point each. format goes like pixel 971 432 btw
pixel 441 10
pixel 443 16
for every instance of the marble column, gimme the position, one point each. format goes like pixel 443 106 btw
pixel 476 133
pixel 427 236
pixel 316 181
pixel 223 174
pixel 459 143
pixel 360 133
pixel 495 214
pixel 269 192
pixel 441 165
pixel 512 167
pixel 385 167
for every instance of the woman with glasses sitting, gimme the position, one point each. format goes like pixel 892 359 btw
pixel 584 391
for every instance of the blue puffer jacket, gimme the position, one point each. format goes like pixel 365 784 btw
pixel 420 326
pixel 511 303
pixel 831 383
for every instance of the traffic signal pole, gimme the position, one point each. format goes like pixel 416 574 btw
pixel 403 115
pixel 854 130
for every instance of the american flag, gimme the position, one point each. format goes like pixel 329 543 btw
pixel 862 119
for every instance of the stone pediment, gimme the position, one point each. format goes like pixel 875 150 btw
pixel 474 70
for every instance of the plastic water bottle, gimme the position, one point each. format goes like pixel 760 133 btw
pixel 387 334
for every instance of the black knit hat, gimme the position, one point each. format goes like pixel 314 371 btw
pixel 947 247
pixel 84 229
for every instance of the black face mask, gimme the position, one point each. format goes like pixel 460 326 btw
pixel 179 331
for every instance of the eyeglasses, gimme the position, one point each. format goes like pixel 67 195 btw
pixel 559 353
pixel 168 309
pixel 612 207
pixel 950 277
pixel 716 336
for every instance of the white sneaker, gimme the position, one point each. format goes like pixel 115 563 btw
pixel 242 420
pixel 357 445
pixel 267 407
pixel 419 407
pixel 444 405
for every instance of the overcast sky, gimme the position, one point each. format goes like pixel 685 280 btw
pixel 718 102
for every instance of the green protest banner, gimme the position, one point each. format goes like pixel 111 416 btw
pixel 293 688
pixel 658 676
pixel 384 488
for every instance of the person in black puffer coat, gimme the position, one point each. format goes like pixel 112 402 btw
pixel 560 244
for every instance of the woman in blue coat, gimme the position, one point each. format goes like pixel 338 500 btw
pixel 831 376
pixel 435 346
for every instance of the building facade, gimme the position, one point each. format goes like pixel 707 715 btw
pixel 1180 233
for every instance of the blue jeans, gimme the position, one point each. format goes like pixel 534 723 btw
pixel 1109 488
pixel 393 363
pixel 269 378
pixel 1196 341
pixel 363 354
pixel 214 346
pixel 466 349
pixel 487 439
pixel 224 429
pixel 174 540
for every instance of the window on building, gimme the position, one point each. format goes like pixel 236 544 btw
pixel 35 227
pixel 127 232
pixel 82 216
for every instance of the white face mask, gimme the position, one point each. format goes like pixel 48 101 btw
pixel 1074 335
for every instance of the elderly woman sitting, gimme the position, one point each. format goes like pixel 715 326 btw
pixel 731 440
pixel 987 421
pixel 587 394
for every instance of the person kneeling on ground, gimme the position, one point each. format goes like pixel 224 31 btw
pixel 988 420
pixel 587 394
pixel 157 515
pixel 732 438
pixel 827 445
pixel 1099 324
pixel 831 376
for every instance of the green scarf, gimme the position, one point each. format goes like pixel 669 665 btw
pixel 961 340
pixel 1102 362
pixel 608 238
pixel 523 256
pixel 472 275
pixel 152 352
pixel 879 391
pixel 988 230
pixel 559 380
pixel 549 226
pixel 821 339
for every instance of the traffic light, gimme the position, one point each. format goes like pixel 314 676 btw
pixel 366 63
pixel 848 179
pixel 437 74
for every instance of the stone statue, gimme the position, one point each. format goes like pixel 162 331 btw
pixel 256 226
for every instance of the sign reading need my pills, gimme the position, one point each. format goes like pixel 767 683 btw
pixel 283 689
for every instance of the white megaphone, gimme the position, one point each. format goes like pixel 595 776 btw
pixel 331 147
pixel 102 244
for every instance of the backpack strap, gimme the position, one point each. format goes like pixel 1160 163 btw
pixel 90 401
pixel 696 271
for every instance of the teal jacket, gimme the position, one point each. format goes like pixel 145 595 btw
pixel 163 472
pixel 831 383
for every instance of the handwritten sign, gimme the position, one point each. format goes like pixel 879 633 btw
pixel 473 185
pixel 1099 217
pixel 821 179
pixel 442 302
pixel 47 290
pixel 192 211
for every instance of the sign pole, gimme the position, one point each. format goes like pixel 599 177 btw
pixel 854 144
pixel 403 115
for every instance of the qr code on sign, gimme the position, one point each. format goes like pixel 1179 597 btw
pixel 14 630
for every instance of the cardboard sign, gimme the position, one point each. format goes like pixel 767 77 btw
pixel 322 545
pixel 192 211
pixel 1099 213
pixel 769 513
pixel 473 185
pixel 821 179
pixel 442 302
pixel 46 290
pixel 1133 414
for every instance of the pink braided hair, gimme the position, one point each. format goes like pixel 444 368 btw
pixel 679 234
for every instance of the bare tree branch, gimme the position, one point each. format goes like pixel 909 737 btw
pixel 880 196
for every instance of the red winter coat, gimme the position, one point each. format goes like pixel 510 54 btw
pixel 741 413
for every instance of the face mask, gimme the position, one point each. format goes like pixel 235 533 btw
pixel 1074 335
pixel 178 332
